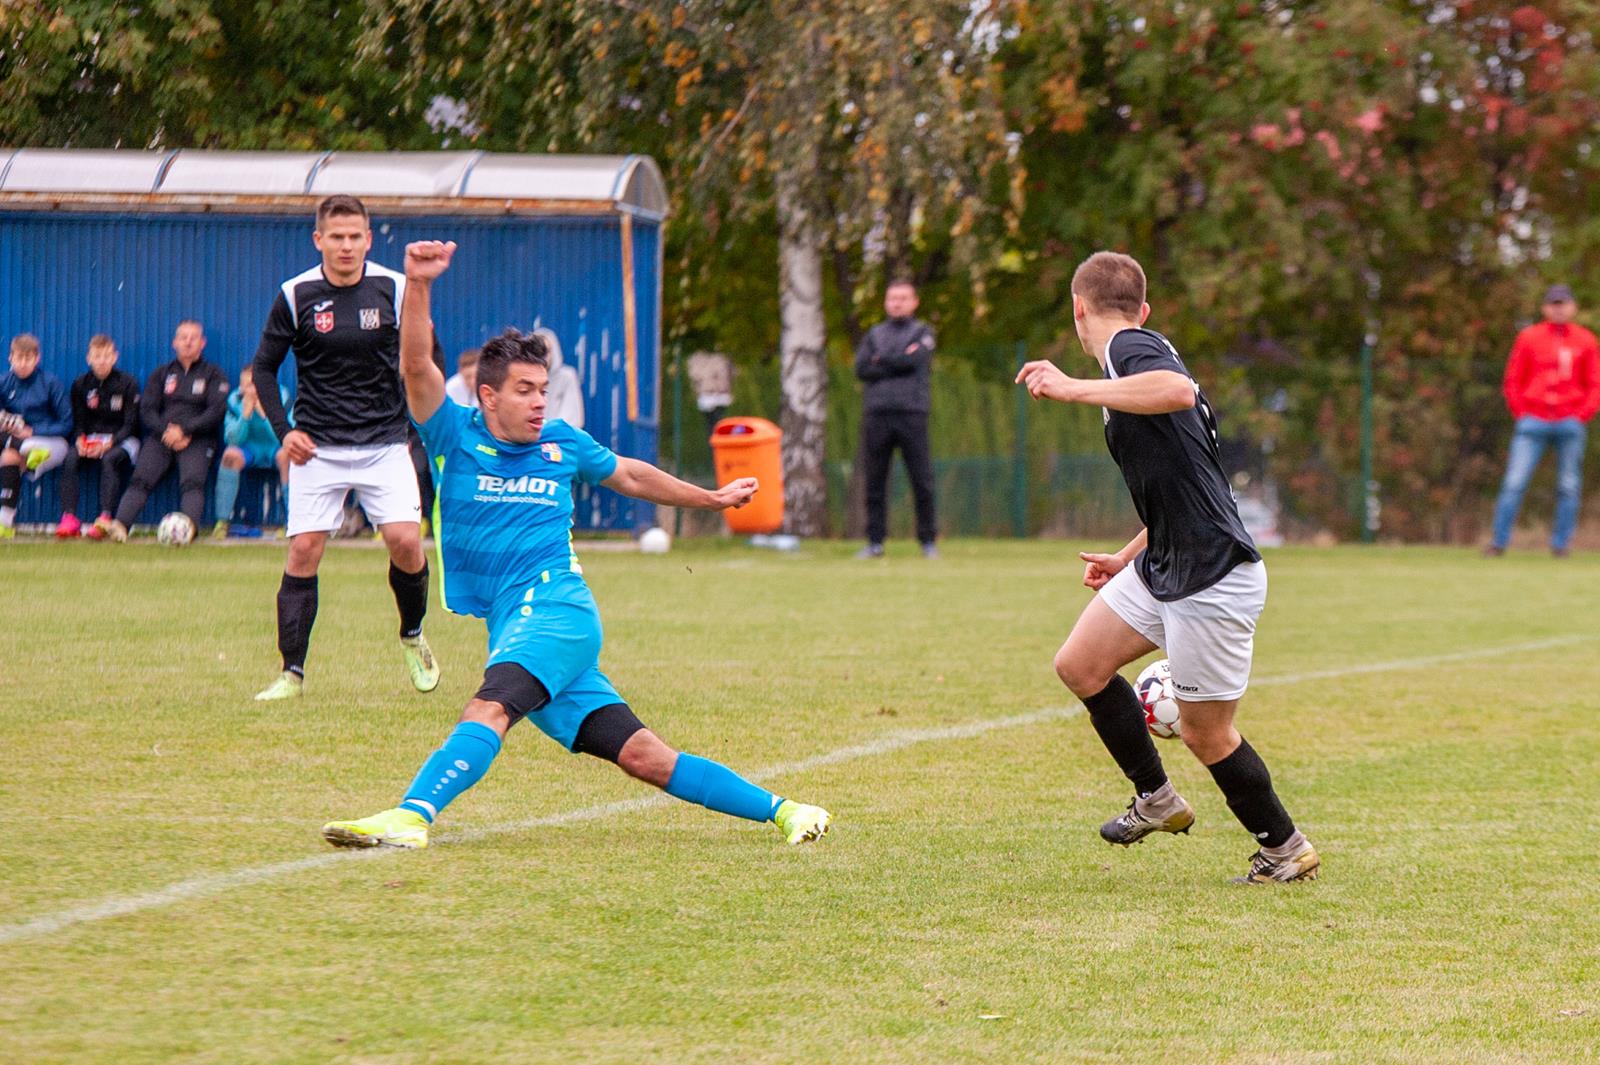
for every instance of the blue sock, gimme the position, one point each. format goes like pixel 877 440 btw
pixel 452 769
pixel 716 787
pixel 227 492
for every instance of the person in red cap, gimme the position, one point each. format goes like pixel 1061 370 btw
pixel 1552 386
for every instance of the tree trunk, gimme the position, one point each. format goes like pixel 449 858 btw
pixel 804 381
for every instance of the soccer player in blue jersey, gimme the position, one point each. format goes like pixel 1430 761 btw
pixel 504 510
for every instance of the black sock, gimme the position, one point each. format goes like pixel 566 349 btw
pixel 411 596
pixel 10 486
pixel 1247 786
pixel 297 612
pixel 1117 715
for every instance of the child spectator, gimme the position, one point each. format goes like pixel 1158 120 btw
pixel 35 420
pixel 249 443
pixel 105 424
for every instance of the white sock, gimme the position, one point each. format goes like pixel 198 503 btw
pixel 1163 797
pixel 1289 848
pixel 8 516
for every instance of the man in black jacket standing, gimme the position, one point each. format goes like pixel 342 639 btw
pixel 182 408
pixel 895 361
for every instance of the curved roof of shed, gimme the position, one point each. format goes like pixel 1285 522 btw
pixel 265 181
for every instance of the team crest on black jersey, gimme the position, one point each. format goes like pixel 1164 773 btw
pixel 171 385
pixel 369 317
pixel 323 320
pixel 552 452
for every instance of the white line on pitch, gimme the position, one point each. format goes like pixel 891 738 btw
pixel 217 883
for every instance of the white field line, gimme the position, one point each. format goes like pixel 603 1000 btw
pixel 216 883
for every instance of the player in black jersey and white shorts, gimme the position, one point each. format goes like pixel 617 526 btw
pixel 342 318
pixel 1191 582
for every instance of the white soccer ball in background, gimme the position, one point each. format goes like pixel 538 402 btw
pixel 655 541
pixel 1160 700
pixel 175 529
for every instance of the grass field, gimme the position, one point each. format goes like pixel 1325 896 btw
pixel 1431 719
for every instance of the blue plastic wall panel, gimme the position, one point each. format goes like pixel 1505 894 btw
pixel 66 276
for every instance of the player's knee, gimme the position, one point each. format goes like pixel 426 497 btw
pixel 645 756
pixel 10 457
pixel 233 459
pixel 1082 678
pixel 488 713
pixel 305 551
pixel 512 691
pixel 1208 741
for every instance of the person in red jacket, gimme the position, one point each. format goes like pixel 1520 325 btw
pixel 1552 386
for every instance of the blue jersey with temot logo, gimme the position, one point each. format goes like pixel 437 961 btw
pixel 503 512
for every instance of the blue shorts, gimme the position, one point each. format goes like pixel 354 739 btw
pixel 256 457
pixel 555 635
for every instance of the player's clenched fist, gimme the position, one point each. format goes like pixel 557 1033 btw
pixel 1045 381
pixel 735 493
pixel 427 259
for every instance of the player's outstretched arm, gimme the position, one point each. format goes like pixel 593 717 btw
pixel 1148 392
pixel 640 480
pixel 425 261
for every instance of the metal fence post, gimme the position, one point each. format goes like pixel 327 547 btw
pixel 1019 455
pixel 1371 507
pixel 677 431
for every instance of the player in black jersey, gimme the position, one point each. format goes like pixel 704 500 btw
pixel 342 318
pixel 1191 582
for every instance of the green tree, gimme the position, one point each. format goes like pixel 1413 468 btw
pixel 1293 174
pixel 853 125
pixel 197 74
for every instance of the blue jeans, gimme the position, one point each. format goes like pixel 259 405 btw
pixel 1528 444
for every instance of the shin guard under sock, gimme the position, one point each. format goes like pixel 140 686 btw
pixel 10 488
pixel 227 493
pixel 1118 716
pixel 411 597
pixel 716 787
pixel 458 764
pixel 1247 786
pixel 297 612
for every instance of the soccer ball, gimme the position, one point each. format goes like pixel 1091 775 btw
pixel 655 541
pixel 175 529
pixel 1159 700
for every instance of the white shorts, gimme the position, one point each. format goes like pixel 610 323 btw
pixel 55 446
pixel 384 480
pixel 1209 636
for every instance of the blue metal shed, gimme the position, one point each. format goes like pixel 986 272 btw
pixel 129 242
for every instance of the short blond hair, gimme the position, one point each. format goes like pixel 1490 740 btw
pixel 100 341
pixel 25 344
pixel 1110 283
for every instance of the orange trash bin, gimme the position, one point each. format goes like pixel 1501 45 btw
pixel 751 447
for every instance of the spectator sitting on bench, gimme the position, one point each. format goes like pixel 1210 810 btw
pixel 182 409
pixel 35 419
pixel 105 427
pixel 249 443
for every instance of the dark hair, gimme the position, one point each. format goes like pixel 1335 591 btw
pixel 1111 283
pixel 901 282
pixel 340 204
pixel 509 347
